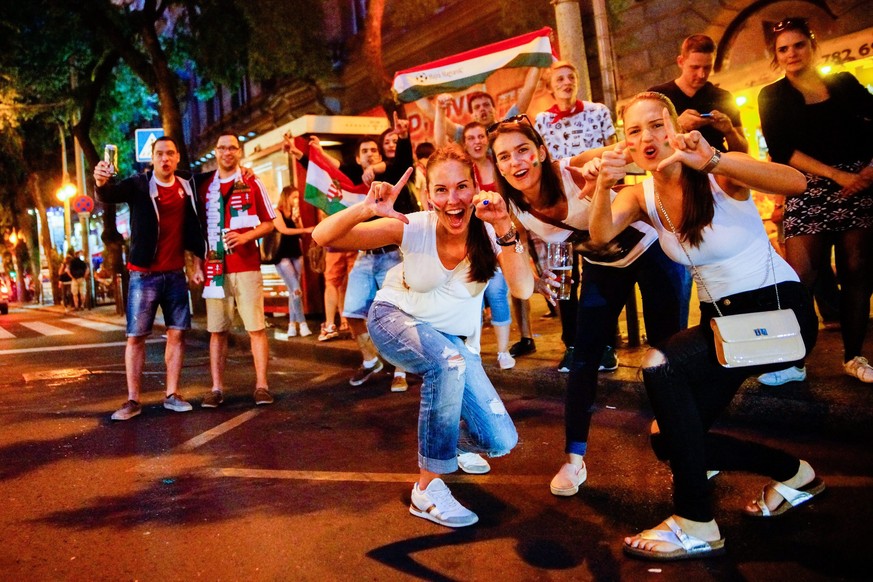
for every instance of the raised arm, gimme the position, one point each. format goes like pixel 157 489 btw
pixel 349 230
pixel 609 217
pixel 526 93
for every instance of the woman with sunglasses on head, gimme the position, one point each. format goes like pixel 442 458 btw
pixel 699 202
pixel 823 126
pixel 428 315
pixel 547 198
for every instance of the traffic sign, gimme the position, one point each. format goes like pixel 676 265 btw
pixel 83 204
pixel 144 140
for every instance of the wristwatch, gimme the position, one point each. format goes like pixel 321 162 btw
pixel 511 238
pixel 713 161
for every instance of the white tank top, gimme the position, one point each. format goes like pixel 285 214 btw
pixel 735 253
pixel 422 287
pixel 578 214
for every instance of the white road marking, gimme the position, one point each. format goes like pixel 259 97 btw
pixel 73 347
pixel 372 477
pixel 45 329
pixel 6 334
pixel 95 325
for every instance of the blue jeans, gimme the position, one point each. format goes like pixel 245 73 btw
pixel 147 291
pixel 367 277
pixel 497 299
pixel 605 290
pixel 691 390
pixel 455 387
pixel 291 270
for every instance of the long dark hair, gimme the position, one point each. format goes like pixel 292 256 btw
pixel 483 261
pixel 698 206
pixel 550 183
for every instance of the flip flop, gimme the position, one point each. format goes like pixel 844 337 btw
pixel 690 547
pixel 791 498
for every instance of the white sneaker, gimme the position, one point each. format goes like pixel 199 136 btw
pixel 780 377
pixel 437 504
pixel 280 336
pixel 292 330
pixel 473 463
pixel 505 361
pixel 860 369
pixel 568 479
pixel 304 330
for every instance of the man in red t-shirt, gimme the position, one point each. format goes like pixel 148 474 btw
pixel 163 225
pixel 237 213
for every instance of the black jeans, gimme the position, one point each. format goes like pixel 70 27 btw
pixel 690 391
pixel 605 291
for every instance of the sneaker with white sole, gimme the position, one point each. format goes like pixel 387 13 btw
pixel 398 384
pixel 262 395
pixel 280 336
pixel 176 403
pixel 473 463
pixel 437 505
pixel 780 377
pixel 304 330
pixel 292 330
pixel 568 479
pixel 363 373
pixel 130 409
pixel 505 360
pixel 609 360
pixel 858 368
pixel 566 361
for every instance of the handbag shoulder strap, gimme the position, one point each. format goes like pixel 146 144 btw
pixel 554 221
pixel 694 267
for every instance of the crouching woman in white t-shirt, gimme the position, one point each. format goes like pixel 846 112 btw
pixel 427 316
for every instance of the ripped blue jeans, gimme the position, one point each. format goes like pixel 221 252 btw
pixel 455 388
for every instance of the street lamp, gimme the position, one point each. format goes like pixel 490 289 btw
pixel 65 194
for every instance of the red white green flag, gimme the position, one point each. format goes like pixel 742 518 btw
pixel 328 188
pixel 469 68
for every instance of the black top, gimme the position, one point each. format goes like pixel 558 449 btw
pixel 289 244
pixel 837 130
pixel 706 99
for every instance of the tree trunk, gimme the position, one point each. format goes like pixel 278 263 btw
pixel 372 50
pixel 166 85
pixel 33 187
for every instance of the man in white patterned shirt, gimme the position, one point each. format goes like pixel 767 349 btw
pixel 571 126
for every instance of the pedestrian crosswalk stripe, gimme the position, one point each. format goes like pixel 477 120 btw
pixel 45 329
pixel 5 334
pixel 91 324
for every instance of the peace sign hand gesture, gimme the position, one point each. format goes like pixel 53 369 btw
pixel 380 199
pixel 689 148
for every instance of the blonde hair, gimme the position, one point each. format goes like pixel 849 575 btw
pixel 286 200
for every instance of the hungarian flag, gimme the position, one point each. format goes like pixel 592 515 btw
pixel 328 188
pixel 469 68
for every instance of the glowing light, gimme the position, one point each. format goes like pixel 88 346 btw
pixel 825 69
pixel 741 100
pixel 66 192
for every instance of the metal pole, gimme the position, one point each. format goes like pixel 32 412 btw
pixel 571 43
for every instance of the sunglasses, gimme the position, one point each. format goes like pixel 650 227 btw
pixel 514 119
pixel 800 24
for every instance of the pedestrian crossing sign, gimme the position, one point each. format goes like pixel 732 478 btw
pixel 144 140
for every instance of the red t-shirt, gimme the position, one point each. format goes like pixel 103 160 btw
pixel 246 257
pixel 171 203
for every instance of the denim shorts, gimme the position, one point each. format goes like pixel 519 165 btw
pixel 366 278
pixel 167 289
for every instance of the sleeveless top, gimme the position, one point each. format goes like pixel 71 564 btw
pixel 735 253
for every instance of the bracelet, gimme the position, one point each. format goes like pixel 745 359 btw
pixel 509 238
pixel 712 163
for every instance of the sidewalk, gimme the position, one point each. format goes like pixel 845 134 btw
pixel 829 401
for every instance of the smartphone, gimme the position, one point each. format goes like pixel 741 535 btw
pixel 706 115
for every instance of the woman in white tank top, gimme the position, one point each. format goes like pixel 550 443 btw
pixel 698 200
pixel 427 317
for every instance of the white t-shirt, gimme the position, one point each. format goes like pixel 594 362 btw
pixel 422 287
pixel 587 129
pixel 735 253
pixel 578 214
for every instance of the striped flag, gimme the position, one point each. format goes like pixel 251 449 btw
pixel 469 68
pixel 328 188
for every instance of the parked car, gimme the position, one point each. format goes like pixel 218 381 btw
pixel 4 296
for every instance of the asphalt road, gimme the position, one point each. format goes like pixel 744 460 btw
pixel 316 486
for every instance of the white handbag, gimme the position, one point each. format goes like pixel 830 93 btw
pixel 751 339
